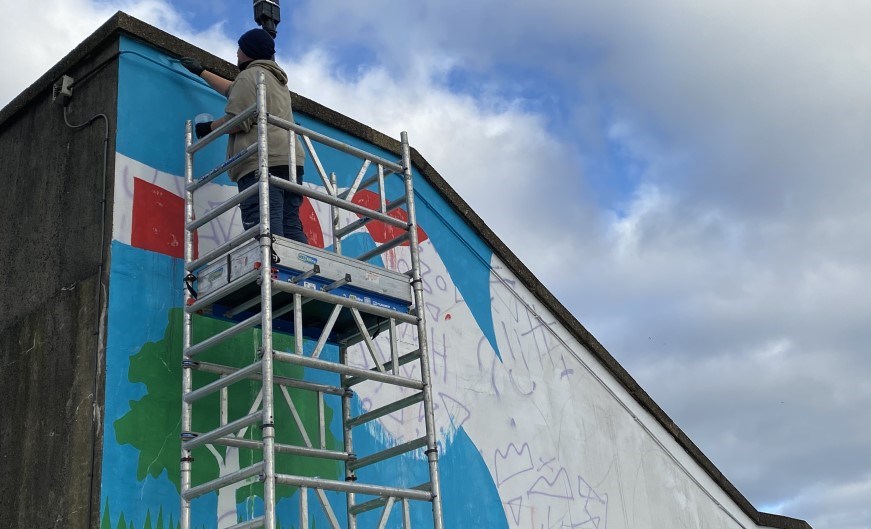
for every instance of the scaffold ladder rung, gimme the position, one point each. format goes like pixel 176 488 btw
pixel 223 382
pixel 387 454
pixel 335 367
pixel 254 523
pixel 223 249
pixel 218 369
pixel 222 336
pixel 285 449
pixel 217 433
pixel 221 292
pixel 379 502
pixel 377 413
pixel 357 224
pixel 388 366
pixel 223 481
pixel 357 488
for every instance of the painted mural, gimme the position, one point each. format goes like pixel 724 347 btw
pixel 533 432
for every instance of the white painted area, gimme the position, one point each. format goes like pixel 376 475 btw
pixel 214 233
pixel 210 236
pixel 565 443
pixel 454 339
pixel 584 431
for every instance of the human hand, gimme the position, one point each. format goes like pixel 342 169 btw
pixel 203 129
pixel 192 65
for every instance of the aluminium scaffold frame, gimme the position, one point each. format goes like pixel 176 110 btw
pixel 262 369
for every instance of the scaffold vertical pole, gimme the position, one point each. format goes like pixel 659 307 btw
pixel 348 438
pixel 267 424
pixel 417 285
pixel 334 215
pixel 187 379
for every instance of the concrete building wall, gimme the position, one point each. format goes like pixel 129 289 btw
pixel 51 363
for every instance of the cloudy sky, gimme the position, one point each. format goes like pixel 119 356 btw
pixel 691 179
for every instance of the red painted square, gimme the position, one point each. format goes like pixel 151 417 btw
pixel 158 220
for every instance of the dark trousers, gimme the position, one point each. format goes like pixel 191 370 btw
pixel 283 205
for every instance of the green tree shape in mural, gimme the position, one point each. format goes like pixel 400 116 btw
pixel 106 522
pixel 153 424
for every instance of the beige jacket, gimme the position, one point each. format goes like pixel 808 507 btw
pixel 242 94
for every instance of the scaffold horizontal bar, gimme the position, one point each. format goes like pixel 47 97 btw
pixel 239 328
pixel 388 366
pixel 336 144
pixel 380 502
pixel 389 245
pixel 215 134
pixel 303 451
pixel 243 307
pixel 223 382
pixel 385 410
pixel 223 481
pixel 333 367
pixel 224 207
pixel 250 233
pixel 249 524
pixel 338 202
pixel 357 488
pixel 357 224
pixel 280 381
pixel 345 302
pixel 308 386
pixel 228 164
pixel 387 454
pixel 220 292
pixel 217 433
pixel 277 311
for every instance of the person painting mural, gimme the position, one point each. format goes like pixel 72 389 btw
pixel 256 54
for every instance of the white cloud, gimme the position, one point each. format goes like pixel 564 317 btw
pixel 35 43
pixel 499 157
pixel 845 505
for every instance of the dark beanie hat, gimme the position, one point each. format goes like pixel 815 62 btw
pixel 257 44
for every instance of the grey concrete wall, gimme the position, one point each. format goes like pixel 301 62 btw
pixel 47 437
pixel 51 360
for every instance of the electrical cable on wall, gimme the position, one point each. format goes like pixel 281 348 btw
pixel 62 94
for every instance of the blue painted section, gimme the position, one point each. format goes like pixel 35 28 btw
pixel 156 95
pixel 469 494
pixel 465 255
pixel 135 320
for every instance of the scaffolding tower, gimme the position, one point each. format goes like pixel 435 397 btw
pixel 257 280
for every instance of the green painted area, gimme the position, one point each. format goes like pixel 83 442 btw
pixel 153 424
pixel 106 522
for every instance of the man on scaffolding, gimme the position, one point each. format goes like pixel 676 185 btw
pixel 256 54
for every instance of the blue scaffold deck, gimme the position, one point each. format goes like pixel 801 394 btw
pixel 368 284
